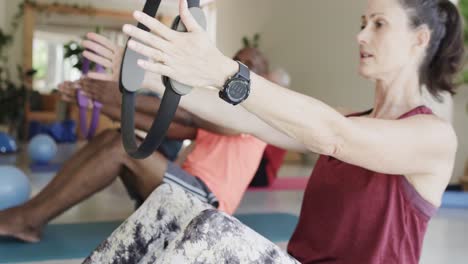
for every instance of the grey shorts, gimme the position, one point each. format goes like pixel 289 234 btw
pixel 175 175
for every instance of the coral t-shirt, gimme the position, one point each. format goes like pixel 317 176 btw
pixel 226 164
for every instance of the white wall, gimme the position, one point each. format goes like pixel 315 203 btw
pixel 317 48
pixel 315 40
pixel 2 14
pixel 460 113
pixel 461 128
pixel 239 18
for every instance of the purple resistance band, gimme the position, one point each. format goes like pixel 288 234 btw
pixel 84 103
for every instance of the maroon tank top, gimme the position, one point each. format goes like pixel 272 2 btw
pixel 352 215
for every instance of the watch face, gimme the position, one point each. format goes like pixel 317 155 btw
pixel 237 90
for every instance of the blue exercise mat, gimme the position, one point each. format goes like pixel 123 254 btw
pixel 76 241
pixel 45 167
pixel 454 199
pixel 66 241
pixel 276 227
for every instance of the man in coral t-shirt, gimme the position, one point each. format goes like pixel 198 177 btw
pixel 226 164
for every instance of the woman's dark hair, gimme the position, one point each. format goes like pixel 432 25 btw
pixel 444 55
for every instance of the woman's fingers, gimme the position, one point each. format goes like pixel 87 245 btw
pixel 153 54
pixel 146 37
pixel 102 40
pixel 97 59
pixel 98 49
pixel 154 25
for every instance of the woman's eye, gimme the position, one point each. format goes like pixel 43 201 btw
pixel 378 24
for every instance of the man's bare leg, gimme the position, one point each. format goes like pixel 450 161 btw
pixel 90 170
pixel 94 174
pixel 143 176
pixel 72 165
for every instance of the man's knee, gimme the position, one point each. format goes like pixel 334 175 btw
pixel 112 147
pixel 115 144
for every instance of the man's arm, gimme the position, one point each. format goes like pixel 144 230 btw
pixel 150 105
pixel 143 122
pixel 107 92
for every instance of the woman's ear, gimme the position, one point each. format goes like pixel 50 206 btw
pixel 422 37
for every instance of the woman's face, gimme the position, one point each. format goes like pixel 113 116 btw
pixel 386 41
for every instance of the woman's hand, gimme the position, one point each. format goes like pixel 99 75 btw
pixel 105 53
pixel 187 57
pixel 153 82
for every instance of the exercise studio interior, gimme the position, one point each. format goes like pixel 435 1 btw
pixel 233 131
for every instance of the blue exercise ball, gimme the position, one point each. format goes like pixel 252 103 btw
pixel 7 144
pixel 42 148
pixel 15 188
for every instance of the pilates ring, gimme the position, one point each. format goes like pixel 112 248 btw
pixel 131 78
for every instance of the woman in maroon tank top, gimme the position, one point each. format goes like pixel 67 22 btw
pixel 382 173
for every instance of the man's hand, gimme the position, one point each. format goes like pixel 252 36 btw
pixel 106 92
pixel 105 53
